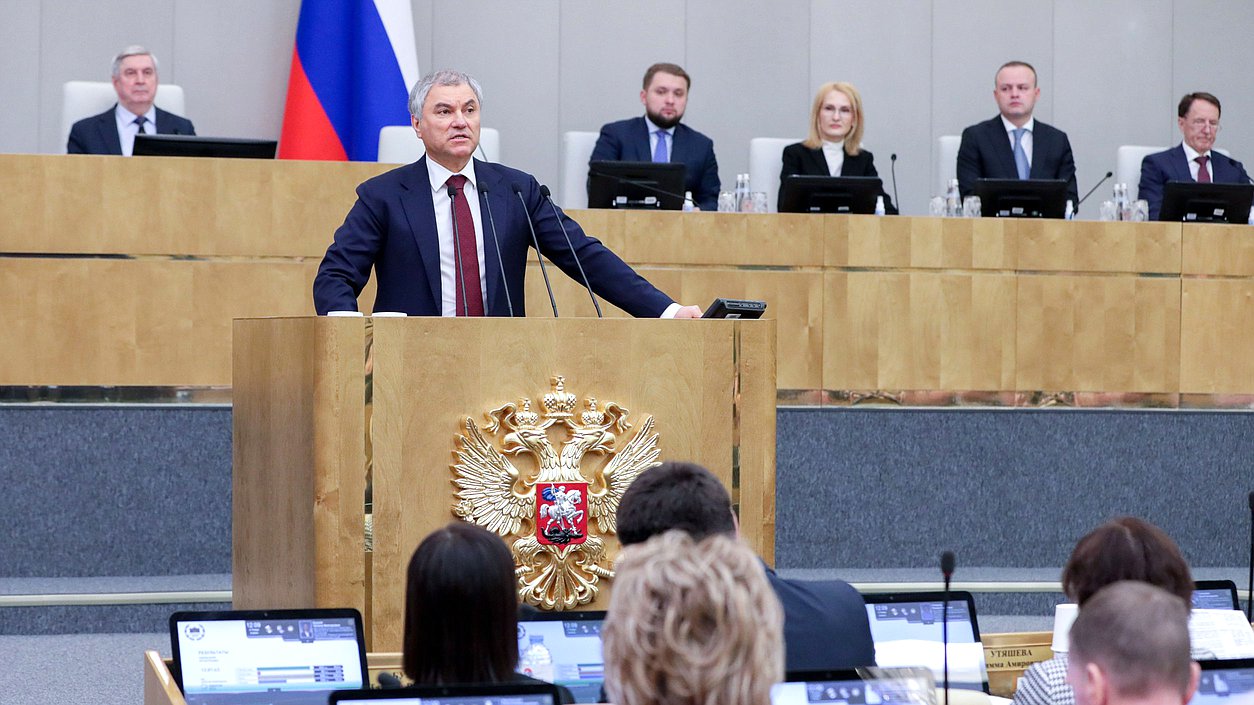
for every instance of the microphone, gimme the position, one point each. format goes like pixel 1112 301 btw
pixel 544 191
pixel 496 243
pixel 457 249
pixel 389 680
pixel 1090 193
pixel 892 166
pixel 535 241
pixel 640 184
pixel 947 570
pixel 1249 591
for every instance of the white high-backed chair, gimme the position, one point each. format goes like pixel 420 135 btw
pixel 946 163
pixel 576 151
pixel 399 145
pixel 82 99
pixel 766 159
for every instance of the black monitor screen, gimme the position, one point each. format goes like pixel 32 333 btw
pixel 1022 198
pixel 1206 203
pixel 193 146
pixel 829 194
pixel 636 185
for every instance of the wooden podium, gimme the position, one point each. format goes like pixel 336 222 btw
pixel 320 404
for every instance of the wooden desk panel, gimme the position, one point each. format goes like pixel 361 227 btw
pixel 1218 250
pixel 1217 336
pixel 1092 246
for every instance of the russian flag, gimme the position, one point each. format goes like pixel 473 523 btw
pixel 353 66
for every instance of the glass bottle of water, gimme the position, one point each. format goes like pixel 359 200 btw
pixel 879 206
pixel 953 201
pixel 536 660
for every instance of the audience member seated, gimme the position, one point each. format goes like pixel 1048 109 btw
pixel 461 610
pixel 1192 159
pixel 825 621
pixel 1122 549
pixel 834 147
pixel 1130 645
pixel 659 136
pixel 113 131
pixel 691 623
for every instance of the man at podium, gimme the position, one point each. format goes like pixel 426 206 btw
pixel 448 235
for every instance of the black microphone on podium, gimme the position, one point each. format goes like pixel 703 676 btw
pixel 535 241
pixel 947 570
pixel 1090 193
pixel 892 166
pixel 548 196
pixel 1249 590
pixel 457 249
pixel 496 243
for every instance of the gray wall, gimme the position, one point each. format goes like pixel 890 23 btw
pixel 1110 71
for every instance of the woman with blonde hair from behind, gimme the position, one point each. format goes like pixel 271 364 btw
pixel 692 623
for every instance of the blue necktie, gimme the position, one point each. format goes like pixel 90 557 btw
pixel 1021 157
pixel 139 122
pixel 659 152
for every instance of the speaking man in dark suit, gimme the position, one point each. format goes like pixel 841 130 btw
pixel 113 131
pixel 1192 159
pixel 660 137
pixel 825 621
pixel 1014 145
pixel 431 230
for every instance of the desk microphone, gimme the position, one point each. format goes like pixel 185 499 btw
pixel 947 570
pixel 1090 193
pixel 389 680
pixel 457 248
pixel 1249 590
pixel 496 243
pixel 892 166
pixel 535 241
pixel 548 196
pixel 640 184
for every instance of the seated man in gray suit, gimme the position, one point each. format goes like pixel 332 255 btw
pixel 1192 159
pixel 825 621
pixel 114 130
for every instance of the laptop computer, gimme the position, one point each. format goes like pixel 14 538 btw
pixel 1215 595
pixel 295 657
pixel 564 648
pixel 1225 683
pixel 497 694
pixel 907 630
pixel 850 687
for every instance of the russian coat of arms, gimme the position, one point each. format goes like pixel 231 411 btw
pixel 545 508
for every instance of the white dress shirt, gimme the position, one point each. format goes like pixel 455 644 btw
pixel 449 281
pixel 670 138
pixel 127 129
pixel 1027 136
pixel 1191 154
pixel 834 153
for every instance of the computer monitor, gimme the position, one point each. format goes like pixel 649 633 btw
pixel 735 308
pixel 1022 198
pixel 1206 203
pixel 564 648
pixel 650 185
pixel 298 657
pixel 496 694
pixel 1228 682
pixel 829 194
pixel 907 630
pixel 1215 595
pixel 864 686
pixel 194 146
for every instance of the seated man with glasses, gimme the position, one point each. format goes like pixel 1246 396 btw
pixel 1192 159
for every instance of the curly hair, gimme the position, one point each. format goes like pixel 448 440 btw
pixel 692 623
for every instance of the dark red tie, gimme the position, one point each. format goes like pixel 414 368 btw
pixel 1203 176
pixel 467 253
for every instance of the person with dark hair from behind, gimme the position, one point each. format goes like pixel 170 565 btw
pixel 1126 548
pixel 461 610
pixel 1130 646
pixel 1197 115
pixel 825 621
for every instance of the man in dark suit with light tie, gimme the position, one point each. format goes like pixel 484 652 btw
pixel 660 137
pixel 1192 159
pixel 113 131
pixel 1014 145
pixel 433 254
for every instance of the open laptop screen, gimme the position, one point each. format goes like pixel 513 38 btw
pixel 1225 683
pixel 848 687
pixel 498 694
pixel 564 648
pixel 1215 595
pixel 907 631
pixel 263 657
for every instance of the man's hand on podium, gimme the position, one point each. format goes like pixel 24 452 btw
pixel 688 312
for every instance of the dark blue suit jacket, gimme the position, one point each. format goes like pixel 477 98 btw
pixel 392 229
pixel 800 159
pixel 986 153
pixel 825 624
pixel 628 141
pixel 1172 165
pixel 98 134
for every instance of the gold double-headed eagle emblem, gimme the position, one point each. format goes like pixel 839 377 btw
pixel 545 510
